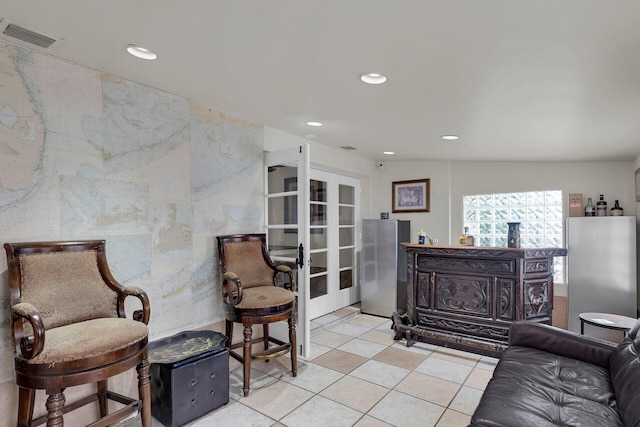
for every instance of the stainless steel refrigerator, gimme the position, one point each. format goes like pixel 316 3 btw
pixel 384 266
pixel 601 270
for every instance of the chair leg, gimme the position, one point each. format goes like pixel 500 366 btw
pixel 102 398
pixel 294 345
pixel 228 325
pixel 144 391
pixel 246 355
pixel 55 406
pixel 26 398
pixel 265 336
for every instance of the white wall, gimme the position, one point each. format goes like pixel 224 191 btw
pixel 452 180
pixel 612 179
pixel 331 160
pixel 436 222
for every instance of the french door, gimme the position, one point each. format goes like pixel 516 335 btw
pixel 287 224
pixel 311 218
pixel 333 249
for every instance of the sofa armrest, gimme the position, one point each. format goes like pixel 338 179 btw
pixel 561 342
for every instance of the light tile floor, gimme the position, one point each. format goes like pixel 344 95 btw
pixel 357 375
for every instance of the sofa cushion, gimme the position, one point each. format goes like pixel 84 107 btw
pixel 531 387
pixel 625 377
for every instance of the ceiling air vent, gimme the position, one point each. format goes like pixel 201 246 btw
pixel 348 147
pixel 17 34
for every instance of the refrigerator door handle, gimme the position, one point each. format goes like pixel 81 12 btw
pixel 300 259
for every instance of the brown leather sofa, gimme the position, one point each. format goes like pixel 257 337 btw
pixel 552 377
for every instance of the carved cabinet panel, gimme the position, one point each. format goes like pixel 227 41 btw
pixel 463 294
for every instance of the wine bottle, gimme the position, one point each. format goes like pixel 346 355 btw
pixel 465 238
pixel 616 210
pixel 589 210
pixel 601 207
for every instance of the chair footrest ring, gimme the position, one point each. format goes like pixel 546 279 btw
pixel 272 352
pixel 122 417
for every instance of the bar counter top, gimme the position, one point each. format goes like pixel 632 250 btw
pixel 456 250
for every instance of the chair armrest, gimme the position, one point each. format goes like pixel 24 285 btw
pixel 231 289
pixel 286 270
pixel 142 315
pixel 32 345
pixel 561 342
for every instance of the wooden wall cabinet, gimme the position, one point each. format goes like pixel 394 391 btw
pixel 467 297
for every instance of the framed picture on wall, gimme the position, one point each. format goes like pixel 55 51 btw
pixel 411 196
pixel 638 185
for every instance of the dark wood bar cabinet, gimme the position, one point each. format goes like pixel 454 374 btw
pixel 467 297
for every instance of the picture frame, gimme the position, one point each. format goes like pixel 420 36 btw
pixel 411 196
pixel 638 185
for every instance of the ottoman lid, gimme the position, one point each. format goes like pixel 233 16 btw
pixel 186 347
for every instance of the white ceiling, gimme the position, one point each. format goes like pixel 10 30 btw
pixel 516 80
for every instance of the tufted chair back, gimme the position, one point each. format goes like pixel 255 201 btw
pixel 248 260
pixel 66 287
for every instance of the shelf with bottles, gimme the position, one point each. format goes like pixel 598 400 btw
pixel 600 208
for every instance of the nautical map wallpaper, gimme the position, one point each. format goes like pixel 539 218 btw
pixel 86 155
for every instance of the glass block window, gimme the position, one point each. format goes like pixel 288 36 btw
pixel 539 214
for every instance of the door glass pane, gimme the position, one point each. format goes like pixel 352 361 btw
pixel 318 262
pixel 346 257
pixel 346 279
pixel 282 244
pixel 317 191
pixel 283 210
pixel 346 267
pixel 318 213
pixel 346 195
pixel 319 239
pixel 346 215
pixel 318 206
pixel 319 285
pixel 347 237
pixel 282 178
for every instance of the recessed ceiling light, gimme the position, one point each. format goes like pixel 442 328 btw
pixel 373 78
pixel 389 152
pixel 140 52
pixel 316 124
pixel 309 136
pixel 450 137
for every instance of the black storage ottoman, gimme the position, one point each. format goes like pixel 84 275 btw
pixel 189 376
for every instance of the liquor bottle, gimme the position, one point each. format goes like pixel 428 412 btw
pixel 589 210
pixel 465 238
pixel 421 237
pixel 616 210
pixel 601 207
